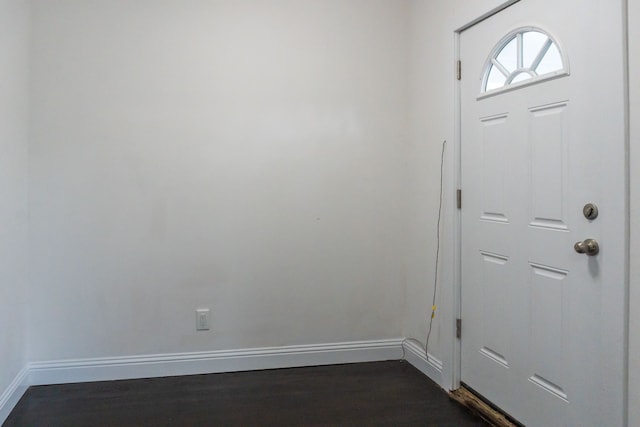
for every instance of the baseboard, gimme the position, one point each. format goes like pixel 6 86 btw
pixel 430 366
pixel 10 397
pixel 164 365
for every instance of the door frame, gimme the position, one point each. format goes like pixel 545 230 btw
pixel 456 350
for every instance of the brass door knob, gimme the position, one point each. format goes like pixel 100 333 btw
pixel 589 247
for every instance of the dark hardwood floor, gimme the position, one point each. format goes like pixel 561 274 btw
pixel 369 394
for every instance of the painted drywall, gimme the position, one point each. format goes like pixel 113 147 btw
pixel 247 156
pixel 431 113
pixel 634 252
pixel 14 69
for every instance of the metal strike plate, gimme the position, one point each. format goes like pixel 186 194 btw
pixel 590 211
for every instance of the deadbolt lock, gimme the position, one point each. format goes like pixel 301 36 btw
pixel 588 247
pixel 590 211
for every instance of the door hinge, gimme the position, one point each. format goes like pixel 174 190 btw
pixel 458 328
pixel 459 70
pixel 459 198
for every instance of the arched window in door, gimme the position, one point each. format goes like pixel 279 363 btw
pixel 524 56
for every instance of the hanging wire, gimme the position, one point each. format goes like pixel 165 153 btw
pixel 435 278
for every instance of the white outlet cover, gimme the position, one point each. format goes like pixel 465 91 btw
pixel 202 319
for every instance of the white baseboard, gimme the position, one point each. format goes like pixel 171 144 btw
pixel 10 397
pixel 164 365
pixel 430 366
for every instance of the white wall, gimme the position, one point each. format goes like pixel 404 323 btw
pixel 634 159
pixel 247 156
pixel 14 33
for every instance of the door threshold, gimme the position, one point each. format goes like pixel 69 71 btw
pixel 485 410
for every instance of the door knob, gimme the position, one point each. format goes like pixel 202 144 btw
pixel 588 246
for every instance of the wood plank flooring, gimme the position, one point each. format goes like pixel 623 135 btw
pixel 368 394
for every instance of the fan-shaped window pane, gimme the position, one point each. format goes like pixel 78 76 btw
pixel 496 79
pixel 533 41
pixel 521 77
pixel 521 56
pixel 508 56
pixel 551 62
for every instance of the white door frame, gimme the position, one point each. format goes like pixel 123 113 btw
pixel 456 350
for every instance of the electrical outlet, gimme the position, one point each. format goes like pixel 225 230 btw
pixel 202 319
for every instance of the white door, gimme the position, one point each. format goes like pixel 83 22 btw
pixel 542 135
